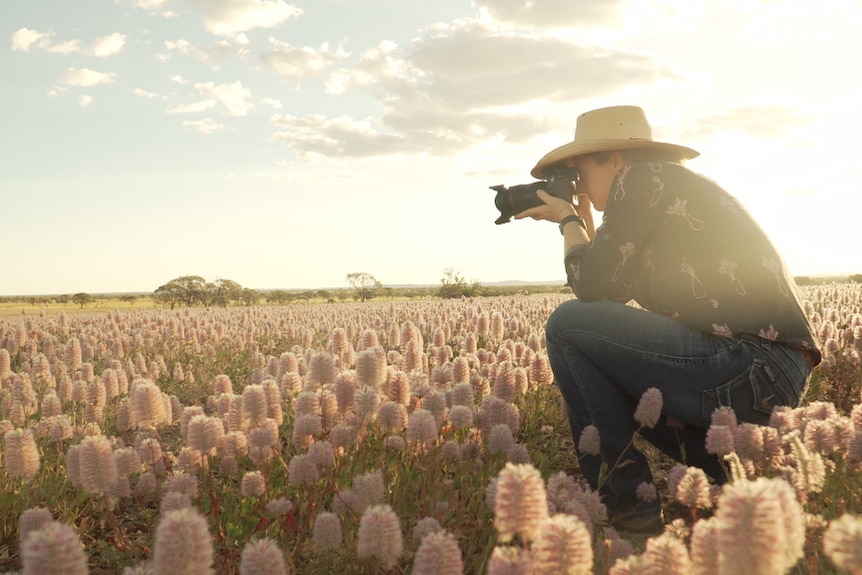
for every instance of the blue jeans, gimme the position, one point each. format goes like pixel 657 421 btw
pixel 604 355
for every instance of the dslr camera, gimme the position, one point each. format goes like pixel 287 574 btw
pixel 516 199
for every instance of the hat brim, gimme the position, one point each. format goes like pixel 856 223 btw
pixel 575 149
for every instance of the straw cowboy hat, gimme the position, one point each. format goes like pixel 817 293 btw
pixel 609 129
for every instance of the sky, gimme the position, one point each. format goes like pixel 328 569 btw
pixel 284 145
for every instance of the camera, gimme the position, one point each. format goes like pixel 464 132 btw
pixel 516 199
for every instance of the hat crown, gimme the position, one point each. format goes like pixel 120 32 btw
pixel 613 123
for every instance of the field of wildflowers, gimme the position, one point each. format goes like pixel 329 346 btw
pixel 420 437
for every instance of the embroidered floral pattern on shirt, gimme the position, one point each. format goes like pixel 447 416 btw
pixel 769 334
pixel 722 330
pixel 656 193
pixel 627 250
pixel 679 209
pixel 774 266
pixel 728 268
pixel 697 289
pixel 620 192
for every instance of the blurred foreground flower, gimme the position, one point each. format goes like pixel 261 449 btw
pixel 183 544
pixel 842 543
pixel 520 502
pixel 53 549
pixel 759 528
pixel 438 554
pixel 380 536
pixel 262 557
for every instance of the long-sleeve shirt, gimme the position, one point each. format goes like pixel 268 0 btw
pixel 679 245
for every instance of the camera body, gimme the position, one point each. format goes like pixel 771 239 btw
pixel 516 199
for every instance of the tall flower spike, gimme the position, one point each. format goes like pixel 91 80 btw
pixel 53 548
pixel 380 536
pixel 438 554
pixel 32 519
pixel 510 560
pixel 693 489
pixel 649 408
pixel 326 534
pixel 842 543
pixel 563 545
pixel 262 557
pixel 760 529
pixel 667 555
pixel 520 502
pixel 589 442
pixel 22 454
pixel 704 547
pixel 183 544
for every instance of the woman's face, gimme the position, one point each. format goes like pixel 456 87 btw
pixel 595 178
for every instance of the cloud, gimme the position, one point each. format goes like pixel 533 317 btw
pixel 204 126
pixel 68 47
pixel 218 51
pixel 470 82
pixel 86 100
pixel 145 94
pixel 759 121
pixel 553 13
pixel 84 77
pixel 231 17
pixel 24 38
pixel 295 63
pixel 272 103
pixel 234 97
pixel 108 45
pixel 314 136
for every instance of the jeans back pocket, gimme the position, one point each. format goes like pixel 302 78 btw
pixel 752 395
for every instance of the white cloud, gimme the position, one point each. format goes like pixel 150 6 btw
pixel 24 38
pixel 86 100
pixel 192 108
pixel 108 45
pixel 68 47
pixel 553 13
pixel 232 17
pixel 272 103
pixel 145 94
pixel 234 97
pixel 150 4
pixel 295 63
pixel 204 126
pixel 471 82
pixel 85 77
pixel 219 50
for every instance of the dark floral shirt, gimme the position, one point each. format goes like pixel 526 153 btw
pixel 678 244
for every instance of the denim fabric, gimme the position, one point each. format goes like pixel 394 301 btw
pixel 604 355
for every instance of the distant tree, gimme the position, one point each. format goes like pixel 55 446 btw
pixel 83 299
pixel 222 292
pixel 364 285
pixel 249 296
pixel 278 296
pixel 188 290
pixel 453 285
pixel 856 278
pixel 129 298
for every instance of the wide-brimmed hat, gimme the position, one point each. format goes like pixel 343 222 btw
pixel 609 129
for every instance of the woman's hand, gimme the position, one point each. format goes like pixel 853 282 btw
pixel 553 209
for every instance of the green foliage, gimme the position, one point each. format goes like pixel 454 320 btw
pixel 453 285
pixel 364 285
pixel 82 299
